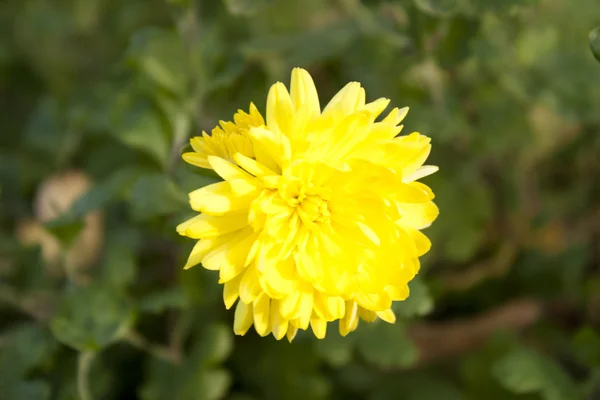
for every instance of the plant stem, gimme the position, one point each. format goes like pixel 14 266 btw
pixel 158 351
pixel 84 362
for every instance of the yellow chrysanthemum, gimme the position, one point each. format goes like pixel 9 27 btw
pixel 226 140
pixel 319 215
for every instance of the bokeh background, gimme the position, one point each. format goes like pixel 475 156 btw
pixel 98 99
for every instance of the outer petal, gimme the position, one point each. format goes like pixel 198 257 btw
pixel 303 92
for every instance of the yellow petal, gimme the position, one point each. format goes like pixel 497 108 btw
pixel 422 242
pixel 329 308
pixel 305 308
pixel 387 315
pixel 196 159
pixel 289 304
pixel 249 285
pixel 350 318
pixel 201 248
pixel 417 215
pixel 228 170
pixel 374 301
pixel 262 310
pixel 346 101
pixel 366 315
pixel 291 333
pixel 275 144
pixel 420 172
pixel 218 199
pixel 279 325
pixel 306 267
pixel 252 166
pixel 231 291
pixel 398 293
pixel 279 109
pixel 376 107
pixel 243 318
pixel 319 327
pixel 303 92
pixel 205 226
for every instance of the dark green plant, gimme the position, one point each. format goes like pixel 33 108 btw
pixel 506 305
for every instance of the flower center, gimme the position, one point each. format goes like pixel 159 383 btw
pixel 311 208
pixel 310 204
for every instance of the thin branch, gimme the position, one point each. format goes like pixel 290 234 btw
pixel 162 352
pixel 84 363
pixel 447 339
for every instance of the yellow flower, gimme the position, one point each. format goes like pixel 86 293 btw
pixel 225 140
pixel 319 213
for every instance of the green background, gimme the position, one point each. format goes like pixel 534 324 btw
pixel 507 304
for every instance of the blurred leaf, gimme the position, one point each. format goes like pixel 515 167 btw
pixel 304 48
pixel 137 124
pixel 120 266
pixel 179 114
pixel 595 42
pixel 217 344
pixel 27 390
pixel 524 371
pixel 335 349
pixel 159 301
pixel 454 46
pixel 111 189
pixel 154 195
pixel 504 6
pixel 65 229
pixel 27 346
pixel 418 303
pixel 282 371
pixel 416 387
pixel 45 131
pixel 91 318
pixel 225 77
pixel 437 7
pixel 199 377
pixel 586 343
pixel 160 55
pixel 245 7
pixel 386 345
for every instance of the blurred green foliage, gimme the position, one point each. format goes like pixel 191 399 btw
pixel 508 91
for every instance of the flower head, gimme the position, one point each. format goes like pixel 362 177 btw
pixel 319 214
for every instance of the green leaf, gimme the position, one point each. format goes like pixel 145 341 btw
pixel 199 377
pixel 66 229
pixel 91 318
pixel 27 390
pixel 245 7
pixel 155 195
pixel 595 42
pixel 439 8
pixel 335 349
pixel 160 55
pixel 525 371
pixel 418 303
pixel 586 343
pixel 306 47
pixel 416 386
pixel 385 345
pixel 111 189
pixel 27 346
pixel 159 301
pixel 136 123
pixel 217 344
pixel 120 266
pixel 46 132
